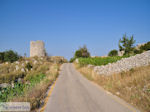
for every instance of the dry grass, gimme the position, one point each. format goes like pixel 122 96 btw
pixel 34 83
pixel 8 72
pixel 36 94
pixel 132 86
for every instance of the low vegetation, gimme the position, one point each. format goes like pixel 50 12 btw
pixel 145 47
pixel 142 48
pixel 9 56
pixel 81 52
pixel 132 86
pixel 127 44
pixel 28 79
pixel 34 91
pixel 99 60
pixel 113 53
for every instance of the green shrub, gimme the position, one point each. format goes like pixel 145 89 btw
pixel 9 56
pixel 28 66
pixel 138 51
pixel 72 60
pixel 127 44
pixel 8 93
pixel 1 57
pixel 113 53
pixel 78 53
pixel 99 60
pixel 34 78
pixel 82 52
pixel 145 47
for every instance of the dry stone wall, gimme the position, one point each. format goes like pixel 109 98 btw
pixel 37 48
pixel 124 64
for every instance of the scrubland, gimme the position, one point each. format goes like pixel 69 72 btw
pixel 28 79
pixel 133 86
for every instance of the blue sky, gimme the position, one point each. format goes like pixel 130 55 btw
pixel 64 25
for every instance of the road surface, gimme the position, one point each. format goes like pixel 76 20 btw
pixel 74 93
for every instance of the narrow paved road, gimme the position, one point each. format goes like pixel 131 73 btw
pixel 74 93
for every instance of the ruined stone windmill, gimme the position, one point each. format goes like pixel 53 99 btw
pixel 37 48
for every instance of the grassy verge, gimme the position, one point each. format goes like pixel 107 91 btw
pixel 34 91
pixel 39 85
pixel 28 80
pixel 132 86
pixel 99 60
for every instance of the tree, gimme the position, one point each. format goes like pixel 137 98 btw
pixel 82 52
pixel 138 51
pixel 126 44
pixel 1 56
pixel 72 59
pixel 11 56
pixel 113 53
pixel 145 47
pixel 78 54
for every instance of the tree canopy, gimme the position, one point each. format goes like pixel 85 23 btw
pixel 126 44
pixel 9 56
pixel 82 52
pixel 113 53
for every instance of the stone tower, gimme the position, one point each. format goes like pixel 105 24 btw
pixel 37 48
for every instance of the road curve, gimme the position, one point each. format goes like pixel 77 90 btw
pixel 74 93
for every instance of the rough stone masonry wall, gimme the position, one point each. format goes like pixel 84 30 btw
pixel 37 48
pixel 124 64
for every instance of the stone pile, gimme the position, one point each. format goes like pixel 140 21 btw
pixel 124 64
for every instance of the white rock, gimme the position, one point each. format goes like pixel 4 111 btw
pixel 6 63
pixel 17 62
pixel 26 61
pixel 118 93
pixel 22 70
pixel 19 79
pixel 12 85
pixel 4 85
pixel 77 60
pixel 22 65
pixel 35 62
pixel 17 67
pixel 90 66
